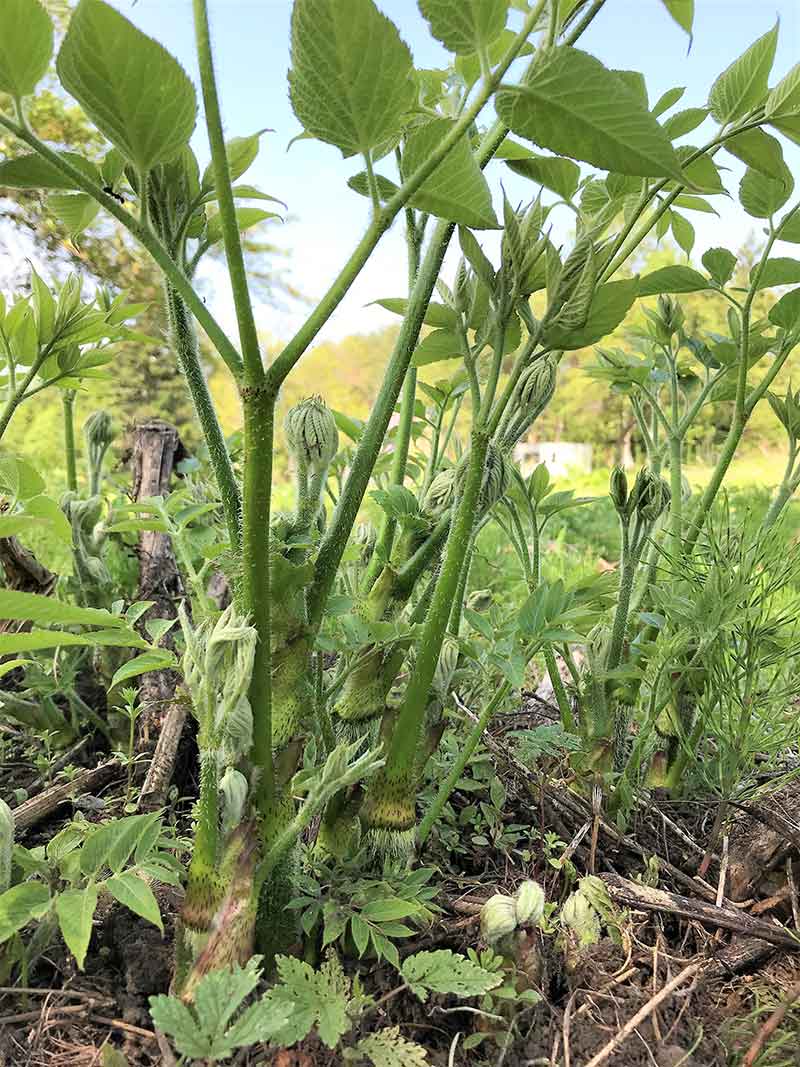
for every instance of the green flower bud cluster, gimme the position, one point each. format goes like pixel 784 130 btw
pixel 670 313
pixel 571 295
pixel 502 914
pixel 523 246
pixel 98 432
pixel 532 394
pixel 311 433
pixel 217 666
pixel 648 499
pixel 495 477
pixel 440 494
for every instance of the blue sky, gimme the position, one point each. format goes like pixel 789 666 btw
pixel 251 40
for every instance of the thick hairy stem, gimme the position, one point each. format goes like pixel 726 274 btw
pixel 562 698
pixel 389 802
pixel 248 337
pixel 259 422
pixel 68 405
pixel 184 342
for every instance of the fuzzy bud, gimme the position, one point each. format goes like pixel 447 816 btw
pixel 311 433
pixel 99 430
pixel 495 478
pixel 536 386
pixel 498 917
pixel 671 314
pixel 653 496
pixel 580 917
pixel 439 495
pixel 619 488
pixel 529 902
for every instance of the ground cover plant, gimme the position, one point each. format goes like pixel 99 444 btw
pixel 346 683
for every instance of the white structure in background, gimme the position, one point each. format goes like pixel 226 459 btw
pixel 560 457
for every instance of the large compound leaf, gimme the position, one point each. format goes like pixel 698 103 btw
pixel 465 26
pixel 351 78
pixel 133 90
pixel 457 189
pixel 744 84
pixel 573 105
pixel 26 44
pixel 610 304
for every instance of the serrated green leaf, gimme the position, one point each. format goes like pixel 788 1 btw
pixel 669 99
pixel 133 90
pixel 34 172
pixel 701 174
pixel 360 932
pixel 574 106
pixel 34 640
pixel 246 218
pixel 435 314
pixel 556 173
pixel 76 210
pixel 683 232
pixel 21 904
pixel 778 271
pixel 26 44
pixel 682 11
pixel 444 971
pixel 350 82
pixel 720 264
pixel 112 844
pixel 240 153
pixel 136 895
pixel 388 1048
pixel 31 607
pixel 465 26
pixel 438 345
pixel 758 150
pixel 761 196
pixel 786 312
pixel 75 910
pixel 386 910
pixel 683 122
pixel 677 279
pixel 457 189
pixel 784 100
pixel 148 661
pixel 743 85
pixel 174 1018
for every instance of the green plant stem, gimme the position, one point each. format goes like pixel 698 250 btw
pixel 741 408
pixel 259 426
pixel 785 491
pixel 405 737
pixel 675 464
pixel 628 563
pixel 145 237
pixel 388 528
pixel 21 392
pixel 184 342
pixel 562 698
pixel 383 219
pixel 248 336
pixel 68 407
pixel 434 812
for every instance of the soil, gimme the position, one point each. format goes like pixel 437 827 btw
pixel 587 996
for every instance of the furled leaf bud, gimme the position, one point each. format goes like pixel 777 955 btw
pixel 498 917
pixel 98 430
pixel 580 917
pixel 671 314
pixel 619 488
pixel 439 495
pixel 536 386
pixel 529 902
pixel 653 497
pixel 311 433
pixel 495 478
